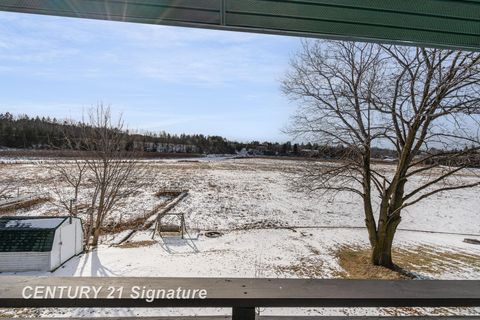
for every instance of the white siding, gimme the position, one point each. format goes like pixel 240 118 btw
pixel 67 243
pixel 24 261
pixel 55 253
pixel 67 230
pixel 78 236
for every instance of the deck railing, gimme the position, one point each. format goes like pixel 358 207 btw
pixel 239 294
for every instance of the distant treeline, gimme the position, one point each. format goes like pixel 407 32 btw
pixel 44 133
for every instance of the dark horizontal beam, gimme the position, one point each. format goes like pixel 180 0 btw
pixel 440 23
pixel 271 318
pixel 168 318
pixel 222 292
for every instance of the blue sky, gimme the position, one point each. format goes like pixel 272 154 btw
pixel 159 78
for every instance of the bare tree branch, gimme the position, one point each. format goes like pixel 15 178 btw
pixel 424 103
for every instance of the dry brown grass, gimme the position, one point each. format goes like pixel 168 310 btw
pixel 141 221
pixel 311 267
pixel 168 193
pixel 307 267
pixel 170 228
pixel 433 260
pixel 19 312
pixel 137 244
pixel 355 261
pixel 116 227
pixel 24 205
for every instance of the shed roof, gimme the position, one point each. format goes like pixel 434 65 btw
pixel 23 223
pixel 28 234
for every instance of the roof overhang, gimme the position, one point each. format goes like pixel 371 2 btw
pixel 439 23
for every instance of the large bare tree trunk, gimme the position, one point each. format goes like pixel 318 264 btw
pixel 89 231
pixel 100 219
pixel 96 236
pixel 382 250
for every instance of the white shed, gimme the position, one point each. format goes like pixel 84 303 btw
pixel 38 243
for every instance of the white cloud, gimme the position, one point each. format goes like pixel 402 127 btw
pixel 169 54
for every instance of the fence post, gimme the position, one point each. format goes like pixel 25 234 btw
pixel 242 313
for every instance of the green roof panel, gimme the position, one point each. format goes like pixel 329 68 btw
pixel 440 23
pixel 28 234
pixel 33 240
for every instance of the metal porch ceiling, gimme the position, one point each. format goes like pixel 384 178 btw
pixel 439 23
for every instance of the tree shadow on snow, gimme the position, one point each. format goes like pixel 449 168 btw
pixel 80 265
pixel 97 268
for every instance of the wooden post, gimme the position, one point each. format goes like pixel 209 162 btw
pixel 243 313
pixel 182 223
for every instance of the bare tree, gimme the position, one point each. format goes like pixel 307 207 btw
pixel 111 167
pixel 72 171
pixel 5 189
pixel 6 185
pixel 423 103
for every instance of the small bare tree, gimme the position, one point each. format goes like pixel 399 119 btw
pixel 6 185
pixel 111 167
pixel 5 189
pixel 72 171
pixel 423 103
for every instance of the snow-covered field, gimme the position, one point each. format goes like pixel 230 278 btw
pixel 242 193
pixel 269 230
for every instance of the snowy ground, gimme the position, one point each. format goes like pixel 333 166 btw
pixel 268 229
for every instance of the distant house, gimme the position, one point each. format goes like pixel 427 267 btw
pixel 38 243
pixel 310 152
pixel 174 148
pixel 242 153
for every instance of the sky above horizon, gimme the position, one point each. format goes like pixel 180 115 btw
pixel 178 80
